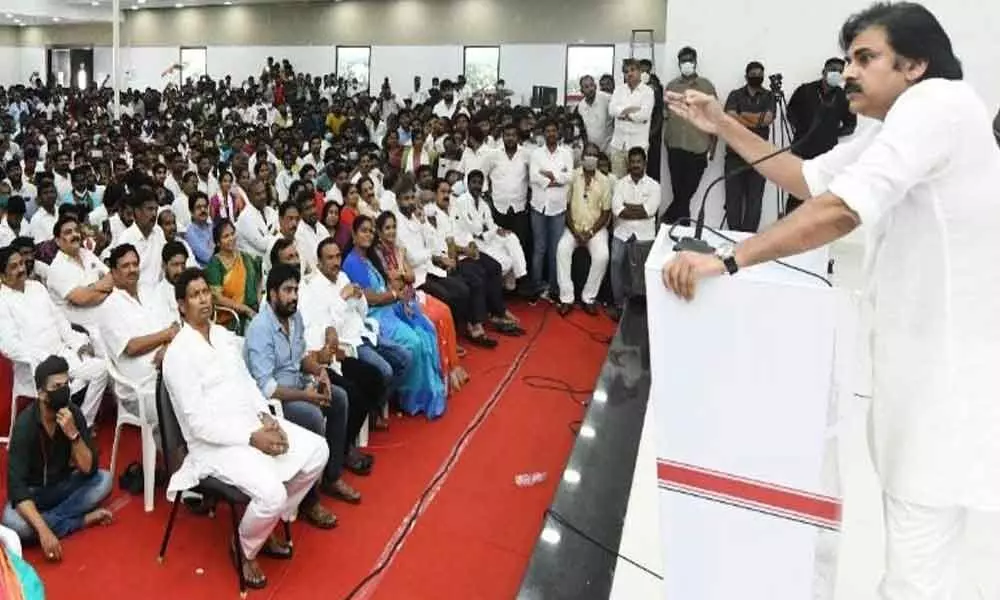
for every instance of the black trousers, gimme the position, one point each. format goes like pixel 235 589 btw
pixel 489 270
pixel 744 195
pixel 454 291
pixel 686 170
pixel 365 389
pixel 520 224
pixel 654 156
pixel 792 203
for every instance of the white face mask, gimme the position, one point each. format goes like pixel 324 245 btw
pixel 835 79
pixel 430 210
pixel 589 163
pixel 687 69
pixel 458 189
pixel 644 78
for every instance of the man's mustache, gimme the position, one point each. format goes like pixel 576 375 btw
pixel 852 87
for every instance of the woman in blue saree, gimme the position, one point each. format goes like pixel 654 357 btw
pixel 401 321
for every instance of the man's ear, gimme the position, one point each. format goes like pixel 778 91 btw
pixel 913 70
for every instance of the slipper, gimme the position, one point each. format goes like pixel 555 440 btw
pixel 483 341
pixel 254 584
pixel 319 520
pixel 279 553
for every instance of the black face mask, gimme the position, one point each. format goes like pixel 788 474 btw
pixel 756 81
pixel 59 398
pixel 407 210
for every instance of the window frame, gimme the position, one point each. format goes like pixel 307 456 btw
pixel 180 61
pixel 336 63
pixel 567 98
pixel 465 60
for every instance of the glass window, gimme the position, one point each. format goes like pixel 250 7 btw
pixel 194 63
pixel 353 66
pixel 482 67
pixel 587 60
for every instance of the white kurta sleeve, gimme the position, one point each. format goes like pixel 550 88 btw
pixel 618 198
pixel 652 199
pixel 915 142
pixel 819 172
pixel 62 279
pixel 646 103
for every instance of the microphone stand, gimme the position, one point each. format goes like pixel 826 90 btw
pixel 695 243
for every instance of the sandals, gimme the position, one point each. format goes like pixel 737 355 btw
pixel 482 341
pixel 341 491
pixel 255 583
pixel 318 517
pixel 276 551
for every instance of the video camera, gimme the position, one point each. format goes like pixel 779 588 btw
pixel 776 82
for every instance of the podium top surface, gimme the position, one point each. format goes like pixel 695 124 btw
pixel 814 261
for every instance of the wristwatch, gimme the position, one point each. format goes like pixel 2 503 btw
pixel 727 254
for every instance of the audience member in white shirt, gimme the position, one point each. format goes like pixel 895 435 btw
pixel 167 222
pixel 253 233
pixel 78 281
pixel 634 205
pixel 146 236
pixel 44 219
pixel 593 109
pixel 449 105
pixel 182 204
pixel 20 186
pixel 13 221
pixel 550 171
pixel 32 329
pixel 508 176
pixel 135 332
pixel 631 106
pixel 309 232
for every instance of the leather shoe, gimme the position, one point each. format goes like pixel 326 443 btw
pixel 340 490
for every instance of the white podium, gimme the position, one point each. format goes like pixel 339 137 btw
pixel 743 382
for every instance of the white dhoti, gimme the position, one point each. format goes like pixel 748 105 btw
pixel 922 549
pixel 597 246
pixel 89 372
pixel 275 484
pixel 507 251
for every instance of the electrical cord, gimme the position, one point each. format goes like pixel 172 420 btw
pixel 719 234
pixel 565 523
pixel 450 461
pixel 600 338
pixel 543 382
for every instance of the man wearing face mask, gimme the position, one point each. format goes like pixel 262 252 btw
pixel 689 150
pixel 53 483
pixel 588 213
pixel 821 104
pixel 753 106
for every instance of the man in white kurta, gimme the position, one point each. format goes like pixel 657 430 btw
pixel 78 281
pixel 473 220
pixel 32 329
pixel 146 236
pixel 227 426
pixel 925 192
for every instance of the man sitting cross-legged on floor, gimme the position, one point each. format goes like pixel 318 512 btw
pixel 54 485
pixel 230 432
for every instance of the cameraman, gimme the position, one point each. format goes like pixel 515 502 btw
pixel 753 107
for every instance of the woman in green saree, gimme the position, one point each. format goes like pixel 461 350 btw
pixel 234 277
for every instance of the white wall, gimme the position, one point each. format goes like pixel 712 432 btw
pixel 401 63
pixel 798 44
pixel 10 64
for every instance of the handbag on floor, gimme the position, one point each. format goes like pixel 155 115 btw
pixel 636 253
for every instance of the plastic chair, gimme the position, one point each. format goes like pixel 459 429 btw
pixel 19 388
pixel 126 389
pixel 174 448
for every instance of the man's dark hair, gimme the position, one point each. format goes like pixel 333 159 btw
pixel 637 151
pixel 23 243
pixel 53 365
pixel 279 246
pixel 279 275
pixel 475 174
pixel 5 255
pixel 753 65
pixel 286 206
pixel 834 62
pixel 172 249
pixel 119 252
pixel 912 31
pixel 15 204
pixel 327 241
pixel 70 217
pixel 687 52
pixel 140 196
pixel 184 280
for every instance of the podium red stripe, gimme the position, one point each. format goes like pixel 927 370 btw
pixel 814 509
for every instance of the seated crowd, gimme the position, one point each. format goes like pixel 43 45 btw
pixel 280 241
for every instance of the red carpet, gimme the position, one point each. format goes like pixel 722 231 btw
pixel 473 538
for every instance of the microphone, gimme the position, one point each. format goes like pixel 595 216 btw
pixel 696 244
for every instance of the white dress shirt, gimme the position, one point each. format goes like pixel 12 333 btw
pixel 645 193
pixel 925 190
pixel 443 111
pixel 597 120
pixel 41 224
pixel 124 318
pixel 307 239
pixel 7 234
pixel 476 160
pixel 182 212
pixel 150 249
pixel 509 180
pixel 65 275
pixel 419 254
pixel 547 198
pixel 632 132
pixel 322 306
pixel 253 235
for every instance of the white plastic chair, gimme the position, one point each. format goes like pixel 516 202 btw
pixel 125 389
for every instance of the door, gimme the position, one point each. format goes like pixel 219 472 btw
pixel 82 67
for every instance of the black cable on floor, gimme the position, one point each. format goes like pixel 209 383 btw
pixel 449 463
pixel 565 523
pixel 543 382
pixel 600 338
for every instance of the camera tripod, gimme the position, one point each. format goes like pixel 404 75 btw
pixel 781 134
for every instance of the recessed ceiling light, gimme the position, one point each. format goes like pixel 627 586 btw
pixel 95 3
pixel 178 5
pixel 9 16
pixel 55 19
pixel 228 3
pixel 135 7
pixel 142 1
